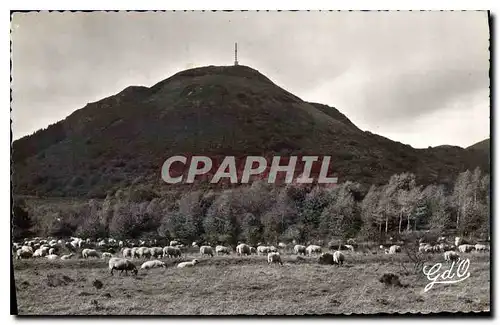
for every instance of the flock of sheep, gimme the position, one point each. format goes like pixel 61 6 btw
pixel 49 248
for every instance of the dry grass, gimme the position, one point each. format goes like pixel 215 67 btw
pixel 245 285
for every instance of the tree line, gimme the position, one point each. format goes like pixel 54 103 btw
pixel 263 212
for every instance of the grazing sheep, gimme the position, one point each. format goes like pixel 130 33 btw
pixel 325 258
pixel 206 250
pixel 127 252
pixel 262 250
pixel 27 249
pixel 338 258
pixel 243 249
pixel 106 255
pixel 144 252
pixel 38 253
pixel 156 252
pixel 152 264
pixel 67 257
pixel 52 257
pixel 170 251
pixel 87 252
pixel 451 256
pixel 222 250
pixel 393 249
pixel 350 247
pixel 274 257
pixel 45 250
pixel 135 252
pixel 52 251
pixel 299 249
pixel 465 248
pixel 121 264
pixel 313 249
pixel 187 264
pixel 481 248
pixel 21 253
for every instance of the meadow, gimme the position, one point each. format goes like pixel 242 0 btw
pixel 233 285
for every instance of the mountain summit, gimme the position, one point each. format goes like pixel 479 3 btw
pixel 213 111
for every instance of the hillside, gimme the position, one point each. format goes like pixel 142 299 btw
pixel 483 146
pixel 216 111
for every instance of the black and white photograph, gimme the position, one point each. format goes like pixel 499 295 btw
pixel 176 163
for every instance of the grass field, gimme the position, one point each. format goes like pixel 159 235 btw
pixel 233 285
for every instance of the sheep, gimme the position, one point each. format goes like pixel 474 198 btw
pixel 253 250
pixel 243 249
pixel 27 249
pixel 299 249
pixel 121 264
pixel 206 250
pixel 52 257
pixel 282 246
pixel 338 258
pixel 481 248
pixel 52 251
pixel 21 253
pixel 170 251
pixel 127 252
pixel 222 250
pixel 87 252
pixel 450 256
pixel 262 250
pixel 393 249
pixel 313 249
pixel 465 248
pixel 156 252
pixel 174 242
pixel 144 252
pixel 38 253
pixel 67 257
pixel 106 255
pixel 187 264
pixel 135 252
pixel 152 264
pixel 272 249
pixel 325 258
pixel 274 257
pixel 350 247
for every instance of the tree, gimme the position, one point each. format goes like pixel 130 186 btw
pixel 21 220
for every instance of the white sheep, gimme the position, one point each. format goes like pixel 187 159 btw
pixel 465 248
pixel 174 243
pixel 187 264
pixel 481 248
pixel 170 251
pixel 450 256
pixel 127 253
pixel 67 257
pixel 87 252
pixel 281 245
pixel 393 249
pixel 299 249
pixel 338 258
pixel 38 253
pixel 313 249
pixel 52 251
pixel 21 253
pixel 350 247
pixel 206 250
pixel 52 257
pixel 243 249
pixel 222 250
pixel 144 252
pixel 152 264
pixel 274 257
pixel 122 264
pixel 106 255
pixel 156 252
pixel 262 250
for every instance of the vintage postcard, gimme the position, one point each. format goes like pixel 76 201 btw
pixel 250 162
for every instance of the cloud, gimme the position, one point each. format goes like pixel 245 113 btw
pixel 384 70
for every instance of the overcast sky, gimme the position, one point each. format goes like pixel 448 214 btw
pixel 420 78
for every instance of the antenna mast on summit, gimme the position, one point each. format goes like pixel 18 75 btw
pixel 235 53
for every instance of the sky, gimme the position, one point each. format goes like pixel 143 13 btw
pixel 420 78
